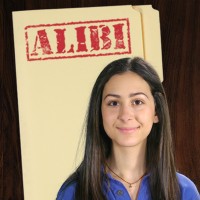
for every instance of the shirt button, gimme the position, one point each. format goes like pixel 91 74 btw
pixel 120 192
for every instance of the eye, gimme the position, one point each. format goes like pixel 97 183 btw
pixel 137 102
pixel 113 103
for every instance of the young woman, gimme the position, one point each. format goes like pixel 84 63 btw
pixel 128 150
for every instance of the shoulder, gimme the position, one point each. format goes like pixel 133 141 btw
pixel 187 188
pixel 67 191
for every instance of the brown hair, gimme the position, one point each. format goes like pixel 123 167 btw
pixel 159 157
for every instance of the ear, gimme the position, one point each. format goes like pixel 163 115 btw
pixel 156 120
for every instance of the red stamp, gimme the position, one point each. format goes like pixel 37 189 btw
pixel 78 39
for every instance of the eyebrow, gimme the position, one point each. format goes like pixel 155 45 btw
pixel 130 95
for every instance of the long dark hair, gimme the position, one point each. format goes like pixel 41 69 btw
pixel 159 156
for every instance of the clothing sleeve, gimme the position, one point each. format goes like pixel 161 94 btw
pixel 66 192
pixel 188 189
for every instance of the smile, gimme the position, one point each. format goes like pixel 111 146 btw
pixel 128 129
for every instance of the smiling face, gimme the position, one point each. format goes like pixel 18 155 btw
pixel 128 109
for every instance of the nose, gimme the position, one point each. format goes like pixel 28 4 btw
pixel 125 113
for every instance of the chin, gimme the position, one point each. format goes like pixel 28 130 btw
pixel 131 144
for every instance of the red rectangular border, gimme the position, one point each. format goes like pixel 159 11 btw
pixel 84 55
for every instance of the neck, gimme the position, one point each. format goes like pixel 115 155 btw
pixel 128 162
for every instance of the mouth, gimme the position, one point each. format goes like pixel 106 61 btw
pixel 128 129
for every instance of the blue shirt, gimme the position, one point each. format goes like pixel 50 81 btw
pixel 118 191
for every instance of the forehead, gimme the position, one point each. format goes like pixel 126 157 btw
pixel 127 82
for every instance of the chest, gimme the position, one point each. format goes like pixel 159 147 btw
pixel 117 191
